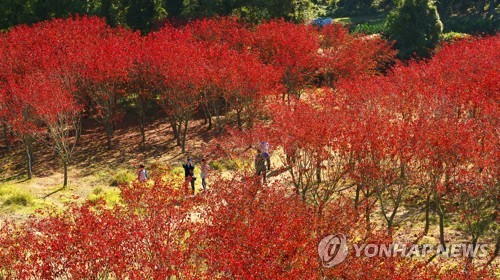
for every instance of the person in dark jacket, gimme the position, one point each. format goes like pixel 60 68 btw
pixel 189 173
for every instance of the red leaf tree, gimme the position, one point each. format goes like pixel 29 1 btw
pixel 176 62
pixel 344 55
pixel 291 48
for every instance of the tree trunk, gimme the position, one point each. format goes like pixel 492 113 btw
pixel 79 128
pixel 427 213
pixel 441 224
pixel 240 121
pixel 141 103
pixel 318 172
pixel 208 117
pixel 367 216
pixel 356 199
pixel 366 195
pixel 178 136
pixel 389 218
pixel 389 225
pixel 143 132
pixel 184 136
pixel 496 252
pixel 177 130
pixel 6 136
pixel 304 193
pixel 109 134
pixel 29 157
pixel 173 124
pixel 65 165
pixel 470 257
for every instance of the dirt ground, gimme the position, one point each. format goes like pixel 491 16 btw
pixel 92 164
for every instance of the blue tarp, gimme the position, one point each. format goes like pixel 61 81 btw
pixel 322 21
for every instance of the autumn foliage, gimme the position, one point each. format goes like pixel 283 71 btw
pixel 352 139
pixel 211 67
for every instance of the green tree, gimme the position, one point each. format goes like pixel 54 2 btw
pixel 48 9
pixel 13 12
pixel 354 7
pixel 174 8
pixel 142 14
pixel 254 10
pixel 415 26
pixel 115 12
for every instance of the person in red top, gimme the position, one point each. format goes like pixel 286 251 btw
pixel 142 175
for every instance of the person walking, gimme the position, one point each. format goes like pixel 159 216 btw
pixel 189 173
pixel 264 149
pixel 204 173
pixel 142 175
pixel 260 165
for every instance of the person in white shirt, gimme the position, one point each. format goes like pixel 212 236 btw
pixel 205 168
pixel 264 149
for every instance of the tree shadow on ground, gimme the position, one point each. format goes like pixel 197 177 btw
pixel 54 192
pixel 91 153
pixel 277 172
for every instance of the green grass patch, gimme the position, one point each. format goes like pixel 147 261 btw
pixel 343 20
pixel 369 24
pixel 177 170
pixel 19 198
pixel 16 200
pixel 112 196
pixel 230 164
pixel 369 28
pixel 452 37
pixel 5 190
pixel 13 196
pixel 122 176
pixel 102 175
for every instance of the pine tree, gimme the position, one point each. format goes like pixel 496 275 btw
pixel 415 26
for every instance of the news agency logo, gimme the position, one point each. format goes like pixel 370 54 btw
pixel 333 250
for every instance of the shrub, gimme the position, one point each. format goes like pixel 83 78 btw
pixel 122 177
pixel 453 37
pixel 102 174
pixel 19 198
pixel 97 190
pixel 5 190
pixel 178 170
pixel 111 195
pixel 229 164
